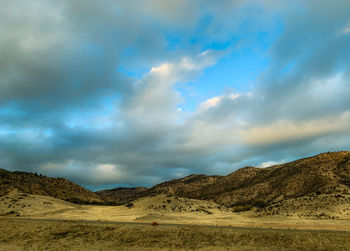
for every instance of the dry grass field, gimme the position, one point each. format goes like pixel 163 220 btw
pixel 33 222
pixel 167 209
pixel 43 235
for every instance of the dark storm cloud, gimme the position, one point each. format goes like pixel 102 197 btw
pixel 60 60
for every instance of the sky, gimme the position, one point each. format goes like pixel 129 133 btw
pixel 132 93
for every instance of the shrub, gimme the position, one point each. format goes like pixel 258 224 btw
pixel 242 208
pixel 129 205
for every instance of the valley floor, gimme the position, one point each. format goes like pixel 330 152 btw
pixel 37 222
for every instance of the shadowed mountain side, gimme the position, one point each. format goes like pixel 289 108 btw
pixel 3 171
pixel 121 195
pixel 41 185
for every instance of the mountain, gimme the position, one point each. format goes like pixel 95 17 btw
pixel 323 174
pixel 326 173
pixel 59 188
pixel 184 187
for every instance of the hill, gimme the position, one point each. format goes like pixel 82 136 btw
pixel 21 204
pixel 326 173
pixel 58 188
pixel 323 174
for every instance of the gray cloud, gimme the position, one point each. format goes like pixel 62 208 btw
pixel 66 109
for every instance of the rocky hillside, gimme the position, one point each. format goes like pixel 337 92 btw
pixel 327 173
pixel 41 185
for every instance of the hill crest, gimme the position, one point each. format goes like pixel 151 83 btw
pixel 59 188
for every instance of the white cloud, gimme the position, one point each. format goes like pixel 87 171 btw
pixel 289 131
pixel 155 101
pixel 212 102
pixel 91 173
pixel 108 172
pixel 271 163
pixel 346 30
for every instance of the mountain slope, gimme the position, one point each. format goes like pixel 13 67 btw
pixel 41 185
pixel 184 187
pixel 327 173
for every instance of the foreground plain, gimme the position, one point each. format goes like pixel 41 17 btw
pixel 32 222
pixel 17 234
pixel 168 210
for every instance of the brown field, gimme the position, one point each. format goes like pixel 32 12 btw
pixel 33 222
pixel 43 235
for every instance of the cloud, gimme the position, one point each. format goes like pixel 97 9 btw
pixel 286 131
pixel 212 102
pixel 271 163
pixel 89 90
pixel 96 173
pixel 154 100
pixel 346 30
